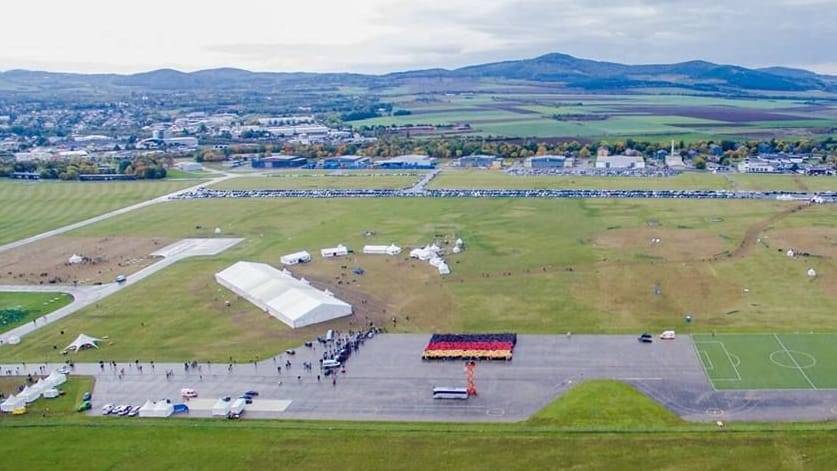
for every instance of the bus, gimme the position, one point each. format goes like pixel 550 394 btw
pixel 450 393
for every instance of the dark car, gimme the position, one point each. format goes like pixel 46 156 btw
pixel 86 396
pixel 251 393
pixel 646 338
pixel 247 399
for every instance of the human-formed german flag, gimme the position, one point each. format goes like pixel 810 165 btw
pixel 470 346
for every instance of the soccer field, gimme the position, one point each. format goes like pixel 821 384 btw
pixel 769 361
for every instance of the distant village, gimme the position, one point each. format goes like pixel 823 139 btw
pixel 54 143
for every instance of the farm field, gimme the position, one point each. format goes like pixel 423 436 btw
pixel 769 361
pixel 597 425
pixel 503 111
pixel 30 208
pixel 464 179
pixel 19 308
pixel 311 182
pixel 531 266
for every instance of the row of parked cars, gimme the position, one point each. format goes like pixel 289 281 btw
pixel 123 410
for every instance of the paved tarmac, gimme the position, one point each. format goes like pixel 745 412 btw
pixel 387 380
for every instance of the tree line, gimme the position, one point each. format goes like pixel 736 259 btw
pixel 142 167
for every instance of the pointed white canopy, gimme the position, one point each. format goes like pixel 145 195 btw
pixel 81 342
pixel 74 259
pixel 11 403
pixel 56 379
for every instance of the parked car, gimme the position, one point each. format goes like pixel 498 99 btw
pixel 121 279
pixel 107 409
pixel 64 370
pixel 251 393
pixel 134 411
pixel 84 406
pixel 247 399
pixel 646 338
pixel 87 396
pixel 667 335
pixel 188 392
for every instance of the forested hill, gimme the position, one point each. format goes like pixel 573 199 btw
pixel 561 69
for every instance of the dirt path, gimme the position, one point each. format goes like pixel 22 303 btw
pixel 752 235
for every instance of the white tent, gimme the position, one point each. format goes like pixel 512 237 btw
pixel 296 257
pixel 29 395
pixel 55 379
pixel 75 259
pixel 338 251
pixel 457 249
pixel 81 342
pixel 51 393
pixel 156 409
pixel 217 230
pixel 40 386
pixel 292 301
pixel 812 273
pixel 790 253
pixel 11 403
pixel 436 261
pixel 443 268
pixel 391 249
pixel 221 408
pixel 423 254
pixel 459 243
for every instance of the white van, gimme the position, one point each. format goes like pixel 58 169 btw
pixel 667 335
pixel 237 408
pixel 331 364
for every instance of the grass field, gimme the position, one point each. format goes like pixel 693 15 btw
pixel 30 208
pixel 595 426
pixel 533 266
pixel 769 361
pixel 311 182
pixel 782 182
pixel 34 305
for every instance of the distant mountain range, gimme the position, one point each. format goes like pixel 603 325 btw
pixel 561 69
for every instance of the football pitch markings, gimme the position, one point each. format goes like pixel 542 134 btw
pixel 769 361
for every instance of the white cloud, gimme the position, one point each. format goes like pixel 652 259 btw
pixel 390 35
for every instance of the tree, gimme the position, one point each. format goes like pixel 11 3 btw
pixel 700 163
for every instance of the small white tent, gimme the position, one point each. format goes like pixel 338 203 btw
pixel 75 259
pixel 812 273
pixel 221 408
pixel 443 268
pixel 51 393
pixel 338 251
pixel 156 409
pixel 296 257
pixel 81 342
pixel 790 253
pixel 11 403
pixel 55 379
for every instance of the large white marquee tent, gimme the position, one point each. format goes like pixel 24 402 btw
pixel 292 301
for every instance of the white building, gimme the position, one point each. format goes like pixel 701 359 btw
pixel 620 161
pixel 338 251
pixel 756 166
pixel 292 301
pixel 296 257
pixel 189 166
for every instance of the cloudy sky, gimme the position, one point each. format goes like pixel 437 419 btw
pixel 374 36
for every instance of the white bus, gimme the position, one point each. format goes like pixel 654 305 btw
pixel 450 393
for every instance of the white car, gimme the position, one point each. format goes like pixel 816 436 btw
pixel 107 409
pixel 188 392
pixel 64 370
pixel 667 335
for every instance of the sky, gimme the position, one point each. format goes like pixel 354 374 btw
pixel 380 36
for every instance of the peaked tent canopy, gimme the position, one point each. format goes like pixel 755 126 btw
pixel 294 302
pixel 81 342
pixel 11 403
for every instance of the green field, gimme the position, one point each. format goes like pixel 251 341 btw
pixel 531 266
pixel 782 182
pixel 769 361
pixel 31 305
pixel 295 182
pixel 30 208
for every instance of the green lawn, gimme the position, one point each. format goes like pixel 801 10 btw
pixel 455 179
pixel 295 182
pixel 769 361
pixel 31 305
pixel 30 208
pixel 782 182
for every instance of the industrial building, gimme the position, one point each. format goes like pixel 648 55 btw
pixel 479 161
pixel 412 162
pixel 346 162
pixel 278 161
pixel 620 162
pixel 548 161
